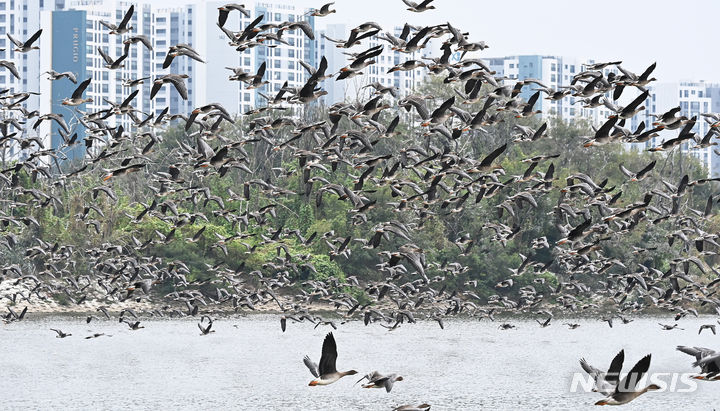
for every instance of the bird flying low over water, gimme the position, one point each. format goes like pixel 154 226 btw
pixel 626 389
pixel 326 373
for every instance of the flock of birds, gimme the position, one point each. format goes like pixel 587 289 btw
pixel 425 180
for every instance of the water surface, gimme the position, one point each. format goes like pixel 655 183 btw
pixel 250 364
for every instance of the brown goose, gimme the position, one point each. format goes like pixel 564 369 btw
pixel 626 390
pixel 326 373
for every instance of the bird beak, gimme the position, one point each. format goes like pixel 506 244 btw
pixel 312 383
pixel 601 402
pixel 588 144
pixel 107 177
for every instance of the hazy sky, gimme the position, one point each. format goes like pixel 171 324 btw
pixel 680 35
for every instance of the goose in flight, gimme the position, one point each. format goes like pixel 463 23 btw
pixel 326 373
pixel 419 7
pixel 706 359
pixel 60 334
pixel 710 327
pixel 377 380
pixel 77 98
pixel 177 80
pixel 116 63
pixel 28 44
pixel 206 330
pixel 323 11
pixel 626 389
pixel 224 12
pixel 139 39
pixel 123 27
pixel 54 75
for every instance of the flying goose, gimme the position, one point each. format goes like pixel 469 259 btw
pixel 323 11
pixel 377 380
pixel 224 12
pixel 709 370
pixel 28 44
pixel 60 334
pixel 123 27
pixel 77 98
pixel 626 389
pixel 419 7
pixel 326 373
pixel 54 75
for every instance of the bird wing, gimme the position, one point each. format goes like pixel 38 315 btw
pixel 311 366
pixel 647 72
pixel 129 99
pixel 647 168
pixel 168 60
pixel 81 88
pixel 417 37
pixel 14 40
pixel 305 27
pixel 697 352
pixel 71 76
pixel 627 172
pixel 34 38
pixel 638 100
pixel 329 356
pixel 687 129
pixel 487 161
pixel 444 106
pixel 10 66
pixel 222 17
pixel 128 16
pixel 633 377
pixel 604 130
pixel 531 101
pixel 261 71
pixel 307 67
pixel 105 57
pixel 592 371
pixel 108 25
pixel 613 372
pixel 180 86
pixel 155 88
pixel 389 381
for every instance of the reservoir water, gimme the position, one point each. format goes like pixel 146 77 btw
pixel 249 364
